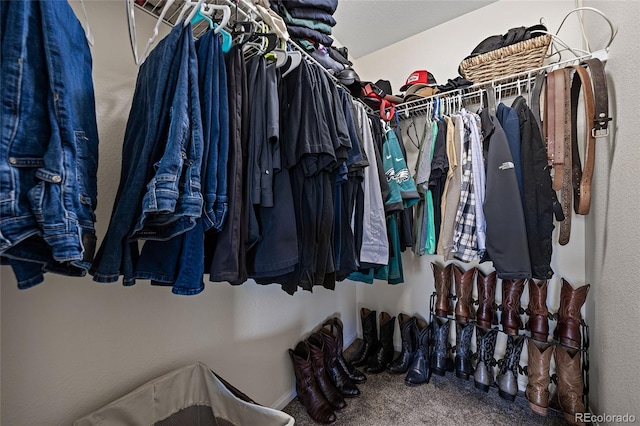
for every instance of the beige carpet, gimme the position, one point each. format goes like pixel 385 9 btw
pixel 386 401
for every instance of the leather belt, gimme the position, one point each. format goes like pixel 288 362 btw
pixel 562 158
pixel 549 122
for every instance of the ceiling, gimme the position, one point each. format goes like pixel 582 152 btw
pixel 365 26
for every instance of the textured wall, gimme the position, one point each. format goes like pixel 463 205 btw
pixel 71 345
pixel 613 267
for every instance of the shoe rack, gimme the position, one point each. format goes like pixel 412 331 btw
pixel 523 370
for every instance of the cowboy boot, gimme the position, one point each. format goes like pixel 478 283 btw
pixel 309 394
pixel 569 318
pixel 369 336
pixel 485 346
pixel 442 280
pixel 338 377
pixel 507 379
pixel 486 315
pixel 335 329
pixel 333 396
pixel 379 360
pixel 538 322
pixel 537 391
pixel 570 383
pixel 464 288
pixel 464 333
pixel 419 371
pixel 440 361
pixel 511 293
pixel 404 360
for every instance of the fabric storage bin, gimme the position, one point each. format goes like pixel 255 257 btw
pixel 189 396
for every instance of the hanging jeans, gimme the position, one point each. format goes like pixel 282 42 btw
pixel 49 156
pixel 159 193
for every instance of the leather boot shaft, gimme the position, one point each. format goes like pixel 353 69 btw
pixel 507 379
pixel 464 294
pixel 419 372
pixel 369 337
pixel 485 347
pixel 309 394
pixel 334 327
pixel 486 315
pixel 442 280
pixel 538 323
pixel 407 330
pixel 537 391
pixel 567 331
pixel 379 360
pixel 333 396
pixel 511 294
pixel 337 375
pixel 440 360
pixel 464 333
pixel 570 383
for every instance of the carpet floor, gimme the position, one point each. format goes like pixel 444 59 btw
pixel 386 401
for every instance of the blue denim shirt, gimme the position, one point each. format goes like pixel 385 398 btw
pixel 49 155
pixel 159 193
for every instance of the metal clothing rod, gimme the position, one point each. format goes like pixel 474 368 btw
pixel 505 84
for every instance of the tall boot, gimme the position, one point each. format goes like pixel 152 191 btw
pixel 464 288
pixel 485 347
pixel 403 361
pixel 309 394
pixel 333 396
pixel 538 322
pixel 379 360
pixel 440 361
pixel 511 293
pixel 464 333
pixel 570 383
pixel 338 377
pixel 507 379
pixel 334 327
pixel 568 329
pixel 419 371
pixel 442 280
pixel 369 336
pixel 486 315
pixel 537 391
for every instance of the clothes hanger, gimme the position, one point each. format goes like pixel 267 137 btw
pixel 156 28
pixel 294 58
pixel 195 8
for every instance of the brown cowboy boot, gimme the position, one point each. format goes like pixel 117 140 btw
pixel 333 395
pixel 538 322
pixel 568 329
pixel 570 384
pixel 486 314
pixel 464 288
pixel 511 293
pixel 537 391
pixel 309 395
pixel 442 280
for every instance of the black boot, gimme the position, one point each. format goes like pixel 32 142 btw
pixel 464 333
pixel 409 346
pixel 440 361
pixel 420 369
pixel 337 375
pixel 333 395
pixel 379 360
pixel 507 378
pixel 369 336
pixel 335 328
pixel 485 348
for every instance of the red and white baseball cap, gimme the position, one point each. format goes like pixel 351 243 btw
pixel 422 77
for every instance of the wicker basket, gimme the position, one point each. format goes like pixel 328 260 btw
pixel 512 59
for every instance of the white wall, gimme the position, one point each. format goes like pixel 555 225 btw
pixel 613 267
pixel 70 345
pixel 440 51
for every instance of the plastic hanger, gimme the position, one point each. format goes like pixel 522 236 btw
pixel 195 8
pixel 294 58
pixel 87 30
pixel 147 49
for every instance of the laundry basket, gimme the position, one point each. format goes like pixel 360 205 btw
pixel 189 396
